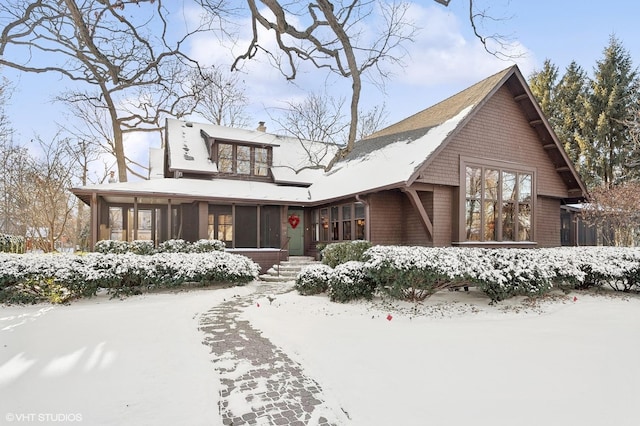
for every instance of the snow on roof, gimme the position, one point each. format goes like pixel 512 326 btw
pixel 156 163
pixel 392 164
pixel 242 190
pixel 188 151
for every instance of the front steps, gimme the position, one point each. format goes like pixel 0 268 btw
pixel 288 269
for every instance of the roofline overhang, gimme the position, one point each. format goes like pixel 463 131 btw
pixel 514 71
pixel 461 125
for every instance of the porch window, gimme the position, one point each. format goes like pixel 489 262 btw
pixel 116 223
pixel 498 204
pixel 347 223
pixel 220 224
pixel 343 222
pixel 324 225
pixel 360 221
pixel 335 223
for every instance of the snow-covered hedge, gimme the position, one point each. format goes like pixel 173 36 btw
pixel 336 253
pixel 349 281
pixel 169 246
pixel 414 273
pixel 12 243
pixel 313 279
pixel 33 277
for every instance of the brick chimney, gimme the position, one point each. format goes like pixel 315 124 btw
pixel 261 127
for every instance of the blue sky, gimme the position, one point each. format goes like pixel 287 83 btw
pixel 444 59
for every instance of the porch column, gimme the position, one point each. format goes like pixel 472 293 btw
pixel 203 220
pixel 169 219
pixel 135 218
pixel 95 223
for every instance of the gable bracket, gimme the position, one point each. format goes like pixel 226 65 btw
pixel 521 97
pixel 417 204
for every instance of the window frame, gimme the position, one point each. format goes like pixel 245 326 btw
pixel 329 222
pixel 502 168
pixel 253 167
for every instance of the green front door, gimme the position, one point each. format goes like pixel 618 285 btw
pixel 295 232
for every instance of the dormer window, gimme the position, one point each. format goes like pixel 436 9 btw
pixel 244 160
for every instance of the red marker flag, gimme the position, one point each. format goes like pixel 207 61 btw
pixel 389 317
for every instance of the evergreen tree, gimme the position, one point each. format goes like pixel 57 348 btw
pixel 543 85
pixel 605 137
pixel 571 97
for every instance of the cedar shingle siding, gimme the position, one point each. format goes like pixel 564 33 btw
pixel 498 131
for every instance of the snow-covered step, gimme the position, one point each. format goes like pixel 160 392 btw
pixel 288 270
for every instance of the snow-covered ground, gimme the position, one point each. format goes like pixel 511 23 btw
pixel 452 361
pixel 457 361
pixel 137 361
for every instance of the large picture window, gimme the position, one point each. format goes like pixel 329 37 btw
pixel 498 204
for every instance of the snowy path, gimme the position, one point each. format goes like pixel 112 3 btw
pixel 260 384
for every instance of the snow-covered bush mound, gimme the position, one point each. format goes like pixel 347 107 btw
pixel 313 279
pixel 413 273
pixel 349 281
pixel 336 253
pixel 61 277
pixel 169 246
pixel 12 243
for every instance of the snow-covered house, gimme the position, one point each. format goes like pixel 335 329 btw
pixel 481 168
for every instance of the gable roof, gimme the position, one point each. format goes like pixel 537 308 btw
pixel 396 155
pixel 390 158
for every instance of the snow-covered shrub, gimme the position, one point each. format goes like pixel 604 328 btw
pixel 524 272
pixel 58 277
pixel 174 246
pixel 617 267
pixel 12 243
pixel 203 246
pixel 141 247
pixel 169 246
pixel 336 253
pixel 34 278
pixel 349 281
pixel 111 246
pixel 413 273
pixel 313 279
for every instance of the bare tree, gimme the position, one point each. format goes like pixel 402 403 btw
pixel 222 100
pixel 14 162
pixel 318 117
pixel 616 208
pixel 372 120
pixel 41 196
pixel 122 49
pixel 5 126
pixel 96 130
pixel 330 36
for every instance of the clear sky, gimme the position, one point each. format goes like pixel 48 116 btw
pixel 444 59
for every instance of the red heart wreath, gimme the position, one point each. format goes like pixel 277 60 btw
pixel 294 220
